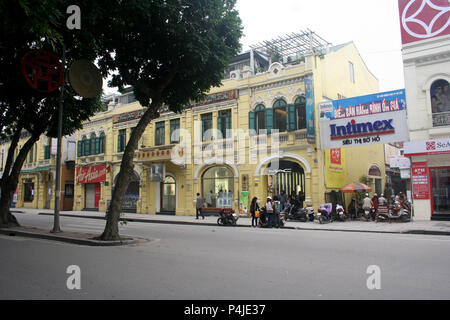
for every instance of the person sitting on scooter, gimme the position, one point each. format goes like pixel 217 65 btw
pixel 367 203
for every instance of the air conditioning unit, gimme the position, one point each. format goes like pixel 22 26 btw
pixel 235 74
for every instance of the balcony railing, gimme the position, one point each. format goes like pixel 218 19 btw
pixel 441 119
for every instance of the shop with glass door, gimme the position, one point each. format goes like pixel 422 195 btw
pixel 440 190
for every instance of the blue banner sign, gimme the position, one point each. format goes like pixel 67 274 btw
pixel 309 95
pixel 363 105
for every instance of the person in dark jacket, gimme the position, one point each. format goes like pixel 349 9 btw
pixel 253 208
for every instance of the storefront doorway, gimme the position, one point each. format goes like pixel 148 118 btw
pixel 168 195
pixel 286 176
pixel 92 196
pixel 440 185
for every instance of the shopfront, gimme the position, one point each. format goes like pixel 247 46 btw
pixel 129 203
pixel 91 178
pixel 217 187
pixel 430 178
pixel 286 177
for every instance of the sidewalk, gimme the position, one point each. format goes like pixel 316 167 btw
pixel 415 227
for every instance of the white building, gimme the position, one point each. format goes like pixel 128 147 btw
pixel 426 58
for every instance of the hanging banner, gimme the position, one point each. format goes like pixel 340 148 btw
pixel 309 95
pixel 335 165
pixel 420 181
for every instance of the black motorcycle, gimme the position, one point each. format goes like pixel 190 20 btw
pixel 298 214
pixel 227 218
pixel 263 221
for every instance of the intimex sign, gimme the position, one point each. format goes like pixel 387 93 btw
pixel 355 129
pixel 364 130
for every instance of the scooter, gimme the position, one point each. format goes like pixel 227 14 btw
pixel 373 213
pixel 324 213
pixel 263 221
pixel 365 213
pixel 340 213
pixel 228 217
pixel 397 211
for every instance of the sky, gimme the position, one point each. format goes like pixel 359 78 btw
pixel 373 26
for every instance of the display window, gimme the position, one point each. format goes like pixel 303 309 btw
pixel 28 192
pixel 218 183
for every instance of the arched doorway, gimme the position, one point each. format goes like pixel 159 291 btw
pixel 285 176
pixel 129 203
pixel 168 195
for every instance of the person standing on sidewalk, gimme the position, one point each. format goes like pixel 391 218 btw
pixel 199 207
pixel 269 210
pixel 253 208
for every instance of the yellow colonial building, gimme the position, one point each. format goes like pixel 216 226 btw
pixel 36 185
pixel 256 135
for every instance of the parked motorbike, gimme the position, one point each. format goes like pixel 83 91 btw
pixel 365 213
pixel 397 211
pixel 340 213
pixel 324 213
pixel 227 218
pixel 299 214
pixel 373 213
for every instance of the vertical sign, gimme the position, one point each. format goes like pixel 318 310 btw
pixel 420 181
pixel 309 95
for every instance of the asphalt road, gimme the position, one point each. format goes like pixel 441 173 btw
pixel 183 262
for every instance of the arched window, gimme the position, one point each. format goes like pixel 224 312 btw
pixel 85 146
pixel 300 109
pixel 101 143
pixel 92 143
pixel 280 116
pixel 217 187
pixel 440 102
pixel 376 179
pixel 260 118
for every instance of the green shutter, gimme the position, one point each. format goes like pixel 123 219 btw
pixel 97 145
pixel 269 120
pixel 119 143
pixel 251 123
pixel 79 149
pixel 219 127
pixel 291 123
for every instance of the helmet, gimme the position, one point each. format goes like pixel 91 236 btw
pixel 382 194
pixel 375 195
pixel 367 194
pixel 269 198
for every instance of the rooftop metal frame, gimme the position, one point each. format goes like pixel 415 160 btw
pixel 294 44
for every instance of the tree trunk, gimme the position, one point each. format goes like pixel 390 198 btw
pixel 111 231
pixel 10 181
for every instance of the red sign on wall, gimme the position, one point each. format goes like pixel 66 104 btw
pixel 423 19
pixel 335 156
pixel 92 174
pixel 420 181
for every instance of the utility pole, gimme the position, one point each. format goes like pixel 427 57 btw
pixel 56 226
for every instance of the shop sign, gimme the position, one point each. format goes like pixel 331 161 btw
pixel 399 162
pixel 426 147
pixel 335 168
pixel 309 95
pixel 364 130
pixel 420 181
pixel 384 102
pixel 92 174
pixel 129 116
pixel 423 19
pixel 217 97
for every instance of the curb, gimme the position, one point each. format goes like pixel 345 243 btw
pixel 418 232
pixel 88 242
